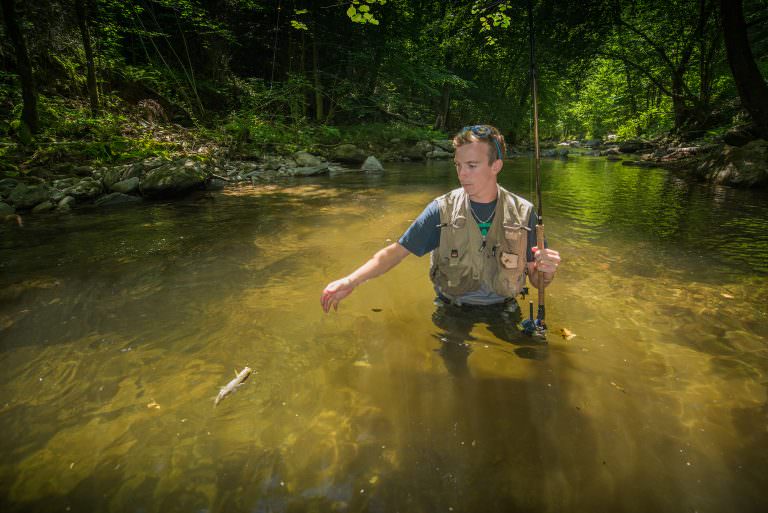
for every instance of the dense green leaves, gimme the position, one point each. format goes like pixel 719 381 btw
pixel 631 68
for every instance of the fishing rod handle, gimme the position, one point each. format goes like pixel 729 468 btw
pixel 540 246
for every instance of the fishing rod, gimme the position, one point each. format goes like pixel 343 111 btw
pixel 536 326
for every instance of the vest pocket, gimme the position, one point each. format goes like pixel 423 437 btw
pixel 454 279
pixel 511 261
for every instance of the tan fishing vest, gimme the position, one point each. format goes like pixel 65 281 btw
pixel 462 263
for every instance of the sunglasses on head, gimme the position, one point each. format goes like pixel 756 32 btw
pixel 483 132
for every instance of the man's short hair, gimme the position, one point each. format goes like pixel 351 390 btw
pixel 488 134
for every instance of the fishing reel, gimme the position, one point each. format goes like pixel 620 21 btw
pixel 535 327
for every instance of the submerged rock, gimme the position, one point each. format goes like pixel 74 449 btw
pixel 307 170
pixel 116 198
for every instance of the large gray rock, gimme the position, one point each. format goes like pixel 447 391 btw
pixel 272 163
pixel 85 189
pixel 173 179
pixel 82 170
pixel 439 153
pixel 6 209
pixel 7 185
pixel 65 183
pixel 126 186
pixel 304 159
pixel 66 203
pixel 110 176
pixel 45 206
pixel 740 135
pixel 116 198
pixel 418 151
pixel 148 165
pixel 745 166
pixel 372 165
pixel 349 153
pixel 633 146
pixel 27 196
pixel 443 144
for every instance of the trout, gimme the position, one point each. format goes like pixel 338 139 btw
pixel 233 385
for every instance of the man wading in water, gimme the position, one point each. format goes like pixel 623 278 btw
pixel 482 238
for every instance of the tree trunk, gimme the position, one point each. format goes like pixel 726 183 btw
pixel 318 86
pixel 749 82
pixel 441 120
pixel 82 22
pixel 28 91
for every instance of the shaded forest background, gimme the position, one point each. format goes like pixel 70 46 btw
pixel 256 72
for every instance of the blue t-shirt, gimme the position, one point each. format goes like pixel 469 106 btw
pixel 423 235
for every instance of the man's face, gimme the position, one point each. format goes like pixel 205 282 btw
pixel 476 175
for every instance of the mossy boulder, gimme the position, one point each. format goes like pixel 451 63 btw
pixel 744 166
pixel 349 154
pixel 173 179
pixel 27 196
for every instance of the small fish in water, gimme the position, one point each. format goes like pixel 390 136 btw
pixel 233 385
pixel 566 333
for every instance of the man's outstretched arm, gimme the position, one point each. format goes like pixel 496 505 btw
pixel 384 260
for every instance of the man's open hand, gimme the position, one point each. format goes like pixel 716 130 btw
pixel 334 292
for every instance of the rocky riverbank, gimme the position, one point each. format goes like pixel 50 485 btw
pixel 77 186
pixel 742 164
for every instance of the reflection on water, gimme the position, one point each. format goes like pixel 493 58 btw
pixel 117 327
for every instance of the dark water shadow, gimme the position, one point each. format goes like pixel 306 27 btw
pixel 503 321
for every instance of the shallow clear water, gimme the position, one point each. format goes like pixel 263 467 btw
pixel 118 326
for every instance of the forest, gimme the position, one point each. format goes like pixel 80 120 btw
pixel 257 76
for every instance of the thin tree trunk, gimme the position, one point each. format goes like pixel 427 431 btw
pixel 749 81
pixel 441 120
pixel 28 91
pixel 318 86
pixel 82 21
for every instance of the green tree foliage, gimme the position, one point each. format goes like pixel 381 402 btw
pixel 627 67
